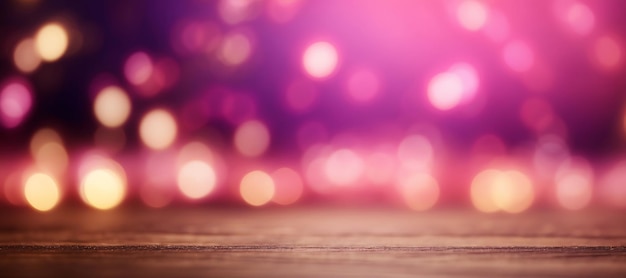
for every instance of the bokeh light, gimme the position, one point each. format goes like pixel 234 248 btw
pixel 235 49
pixel 363 85
pixel 158 129
pixel 257 188
pixel 574 184
pixel 518 56
pixel 252 138
pixel 419 191
pixel 138 68
pixel 237 11
pixel 49 153
pixel 196 179
pixel 42 192
pixel 51 41
pixel 282 11
pixel 25 56
pixel 53 157
pixel 320 59
pixel 289 186
pixel 510 191
pixel 344 167
pixel 15 103
pixel 445 91
pixel 608 53
pixel 103 185
pixel 611 186
pixel 379 101
pixel 472 15
pixel 112 106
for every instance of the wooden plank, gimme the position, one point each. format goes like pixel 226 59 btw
pixel 310 242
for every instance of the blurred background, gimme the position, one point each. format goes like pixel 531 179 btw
pixel 484 105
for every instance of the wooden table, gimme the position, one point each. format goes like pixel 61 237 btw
pixel 310 242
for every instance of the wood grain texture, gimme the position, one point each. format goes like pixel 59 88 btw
pixel 310 242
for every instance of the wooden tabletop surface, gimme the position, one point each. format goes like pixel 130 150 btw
pixel 310 242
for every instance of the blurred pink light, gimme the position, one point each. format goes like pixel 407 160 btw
pixel 15 103
pixel 237 11
pixel 320 59
pixel 472 15
pixel 576 16
pixel 363 85
pixel 344 167
pixel 445 90
pixel 289 186
pixel 518 56
pixel 252 138
pixel 470 79
pixel 608 53
pixel 138 68
pixel 574 184
pixel 235 49
pixel 453 87
pixel 612 186
pixel 497 28
pixel 282 11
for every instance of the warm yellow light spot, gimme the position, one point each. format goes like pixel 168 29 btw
pixel 344 167
pixel 235 49
pixel 512 192
pixel 481 191
pixel 252 138
pixel 320 59
pixel 112 107
pixel 472 15
pixel 257 188
pixel 51 41
pixel 158 129
pixel 103 188
pixel 509 191
pixel 41 192
pixel 25 56
pixel 420 191
pixel 196 179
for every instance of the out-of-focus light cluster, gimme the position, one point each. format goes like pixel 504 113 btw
pixel 503 106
